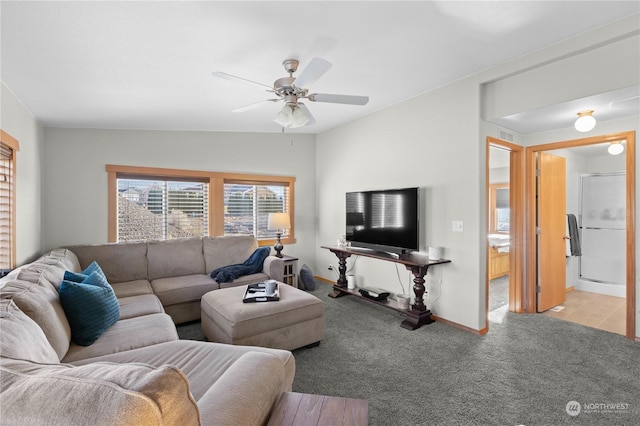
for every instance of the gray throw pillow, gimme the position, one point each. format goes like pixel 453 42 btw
pixel 305 279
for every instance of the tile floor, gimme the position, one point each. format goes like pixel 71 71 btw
pixel 594 310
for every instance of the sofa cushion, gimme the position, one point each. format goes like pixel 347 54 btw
pixel 42 305
pixel 91 307
pixel 97 394
pixel 125 335
pixel 17 328
pixel 188 288
pixel 260 377
pixel 142 304
pixel 246 279
pixel 227 250
pixel 43 274
pixel 119 261
pixel 175 258
pixel 67 258
pixel 132 288
pixel 202 362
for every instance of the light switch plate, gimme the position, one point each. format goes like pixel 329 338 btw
pixel 456 226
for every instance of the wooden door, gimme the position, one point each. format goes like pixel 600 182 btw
pixel 551 229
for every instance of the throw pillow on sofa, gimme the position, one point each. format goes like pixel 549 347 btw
pixel 78 277
pixel 305 279
pixel 91 307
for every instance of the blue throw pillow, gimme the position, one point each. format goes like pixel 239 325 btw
pixel 78 277
pixel 91 307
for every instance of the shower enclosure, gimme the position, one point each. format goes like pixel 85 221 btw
pixel 603 233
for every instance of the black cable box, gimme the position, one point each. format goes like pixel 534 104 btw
pixel 374 293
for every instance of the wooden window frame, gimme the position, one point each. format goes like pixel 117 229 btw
pixel 13 144
pixel 216 181
pixel 493 214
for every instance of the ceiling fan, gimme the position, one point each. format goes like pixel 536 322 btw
pixel 292 89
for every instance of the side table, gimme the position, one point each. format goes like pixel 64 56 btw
pixel 302 409
pixel 290 270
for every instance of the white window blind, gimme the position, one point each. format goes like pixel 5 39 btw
pixel 161 209
pixel 6 207
pixel 247 208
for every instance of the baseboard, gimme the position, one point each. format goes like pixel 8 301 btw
pixel 460 326
pixel 570 289
pixel 324 280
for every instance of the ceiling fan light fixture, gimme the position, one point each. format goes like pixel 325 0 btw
pixel 585 121
pixel 615 148
pixel 291 116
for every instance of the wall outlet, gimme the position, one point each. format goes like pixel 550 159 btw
pixel 456 226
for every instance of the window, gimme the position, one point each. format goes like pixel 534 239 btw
pixel 499 208
pixel 161 209
pixel 150 203
pixel 8 148
pixel 247 208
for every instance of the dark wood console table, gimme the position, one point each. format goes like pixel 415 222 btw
pixel 418 314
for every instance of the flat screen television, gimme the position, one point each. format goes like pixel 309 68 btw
pixel 384 220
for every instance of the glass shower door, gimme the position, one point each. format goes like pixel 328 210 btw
pixel 603 228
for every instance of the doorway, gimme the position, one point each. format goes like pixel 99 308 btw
pixel 504 228
pixel 532 230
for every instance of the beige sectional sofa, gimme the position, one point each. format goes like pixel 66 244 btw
pixel 137 371
pixel 176 271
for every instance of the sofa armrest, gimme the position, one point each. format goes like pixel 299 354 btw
pixel 245 393
pixel 100 393
pixel 274 267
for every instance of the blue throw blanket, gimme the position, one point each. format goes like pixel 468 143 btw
pixel 252 265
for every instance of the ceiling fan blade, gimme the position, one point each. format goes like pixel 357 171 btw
pixel 304 108
pixel 226 76
pixel 339 99
pixel 254 105
pixel 312 72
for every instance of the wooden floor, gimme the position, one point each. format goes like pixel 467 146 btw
pixel 594 310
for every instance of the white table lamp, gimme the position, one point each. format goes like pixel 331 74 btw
pixel 279 222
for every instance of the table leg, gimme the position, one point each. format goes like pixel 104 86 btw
pixel 342 273
pixel 418 315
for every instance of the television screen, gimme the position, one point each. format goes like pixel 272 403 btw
pixel 385 220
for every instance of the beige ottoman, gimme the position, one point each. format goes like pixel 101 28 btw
pixel 294 321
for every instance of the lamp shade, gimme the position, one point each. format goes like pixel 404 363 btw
pixel 291 116
pixel 585 121
pixel 279 221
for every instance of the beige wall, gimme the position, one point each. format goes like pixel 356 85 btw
pixel 17 121
pixel 75 185
pixel 437 141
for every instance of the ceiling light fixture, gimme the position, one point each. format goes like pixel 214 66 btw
pixel 585 121
pixel 291 116
pixel 615 148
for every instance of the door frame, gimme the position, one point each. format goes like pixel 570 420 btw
pixel 516 224
pixel 530 199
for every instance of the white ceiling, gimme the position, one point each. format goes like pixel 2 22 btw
pixel 147 65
